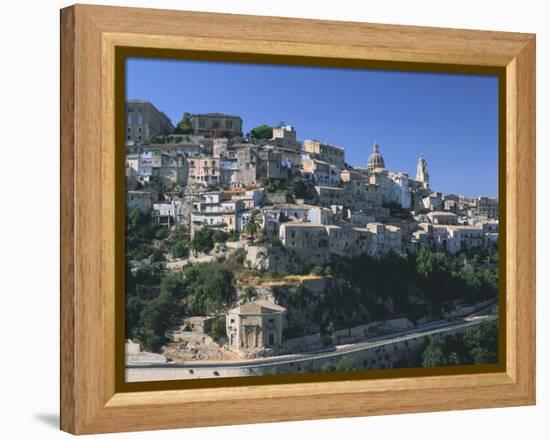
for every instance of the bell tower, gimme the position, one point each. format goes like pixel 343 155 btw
pixel 422 171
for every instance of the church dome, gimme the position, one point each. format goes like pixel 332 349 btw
pixel 375 159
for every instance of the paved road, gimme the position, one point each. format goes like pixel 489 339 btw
pixel 432 328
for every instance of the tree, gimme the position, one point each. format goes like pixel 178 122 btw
pixel 180 250
pixel 454 359
pixel 136 218
pixel 262 132
pixel 184 125
pixel 300 188
pixel 217 330
pixel 219 236
pixel 317 270
pixel 253 225
pixel 208 289
pixel 482 342
pixel 433 355
pixel 424 262
pixel 203 241
pixel 275 241
pixel 328 366
pixel 155 319
pixel 345 364
pixel 248 293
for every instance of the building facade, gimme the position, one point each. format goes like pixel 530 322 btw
pixel 255 325
pixel 143 121
pixel 217 125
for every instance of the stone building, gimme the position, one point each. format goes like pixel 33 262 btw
pixel 170 168
pixel 255 325
pixel 455 238
pixel 214 209
pixel 487 206
pixel 360 196
pixel 322 173
pixel 257 165
pixel 375 160
pixel 330 196
pixel 172 212
pixel 443 218
pixel 326 152
pixel 217 125
pixel 188 149
pixel 204 171
pixel 355 174
pixel 284 136
pixel 141 200
pixel 143 121
pixel 422 172
pixel 434 201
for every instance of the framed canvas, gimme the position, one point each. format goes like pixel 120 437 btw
pixel 222 267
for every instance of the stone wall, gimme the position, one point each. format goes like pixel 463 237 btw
pixel 301 344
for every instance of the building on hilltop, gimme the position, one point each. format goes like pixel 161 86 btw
pixel 284 136
pixel 143 121
pixel 422 172
pixel 375 160
pixel 322 173
pixel 335 155
pixel 217 125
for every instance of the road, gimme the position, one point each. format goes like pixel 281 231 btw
pixel 231 368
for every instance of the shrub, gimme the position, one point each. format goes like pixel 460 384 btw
pixel 179 250
pixel 345 364
pixel 317 271
pixel 328 367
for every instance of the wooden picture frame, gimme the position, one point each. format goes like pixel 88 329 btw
pixel 91 396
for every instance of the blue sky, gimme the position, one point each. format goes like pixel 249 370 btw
pixel 451 119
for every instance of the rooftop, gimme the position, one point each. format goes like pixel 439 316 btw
pixel 259 306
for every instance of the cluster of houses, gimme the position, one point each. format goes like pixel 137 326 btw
pixel 215 177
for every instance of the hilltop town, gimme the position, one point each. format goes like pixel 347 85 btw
pixel 253 245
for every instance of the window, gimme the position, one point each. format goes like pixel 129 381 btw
pixel 229 124
pixel 139 130
pixel 271 339
pixel 202 123
pixel 129 129
pixel 140 118
pixel 129 119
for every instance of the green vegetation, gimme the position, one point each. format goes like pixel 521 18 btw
pixel 328 367
pixel 262 132
pixel 275 241
pixel 366 289
pixel 202 289
pixel 141 230
pixel 217 331
pixel 317 270
pixel 180 249
pixel 205 239
pixel 248 294
pixel 254 224
pixel 184 125
pixel 345 364
pixel 300 187
pixel 478 345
